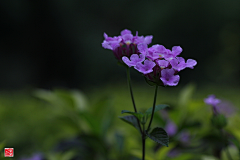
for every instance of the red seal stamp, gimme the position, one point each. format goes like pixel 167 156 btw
pixel 8 152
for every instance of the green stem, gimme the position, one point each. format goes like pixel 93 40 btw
pixel 154 104
pixel 143 143
pixel 130 87
pixel 131 92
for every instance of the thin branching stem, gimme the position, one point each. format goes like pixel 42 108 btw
pixel 153 108
pixel 131 92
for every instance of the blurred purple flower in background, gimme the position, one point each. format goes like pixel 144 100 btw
pixel 37 156
pixel 174 153
pixel 213 101
pixel 171 128
pixel 226 108
pixel 184 137
pixel 220 106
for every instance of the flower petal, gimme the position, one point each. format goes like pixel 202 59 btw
pixel 178 63
pixel 162 63
pixel 176 50
pixel 134 59
pixel 145 68
pixel 168 77
pixel 125 31
pixel 191 63
pixel 142 47
pixel 148 39
pixel 127 38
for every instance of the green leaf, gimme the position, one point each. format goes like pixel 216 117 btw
pixel 157 108
pixel 138 115
pixel 132 120
pixel 159 135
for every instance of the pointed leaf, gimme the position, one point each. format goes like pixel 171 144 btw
pixel 159 135
pixel 157 108
pixel 132 120
pixel 138 115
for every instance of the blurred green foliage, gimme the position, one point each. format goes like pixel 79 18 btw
pixel 63 124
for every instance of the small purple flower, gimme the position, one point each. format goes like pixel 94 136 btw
pixel 212 100
pixel 145 68
pixel 191 63
pixel 179 64
pixel 168 77
pixel 141 39
pixel 176 50
pixel 111 43
pixel 220 106
pixel 171 128
pixel 156 51
pixel 134 59
pixel 125 31
pixel 127 38
pixel 162 63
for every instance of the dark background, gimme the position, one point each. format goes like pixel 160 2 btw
pixel 56 43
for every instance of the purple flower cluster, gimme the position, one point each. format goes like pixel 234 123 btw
pixel 125 44
pixel 158 64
